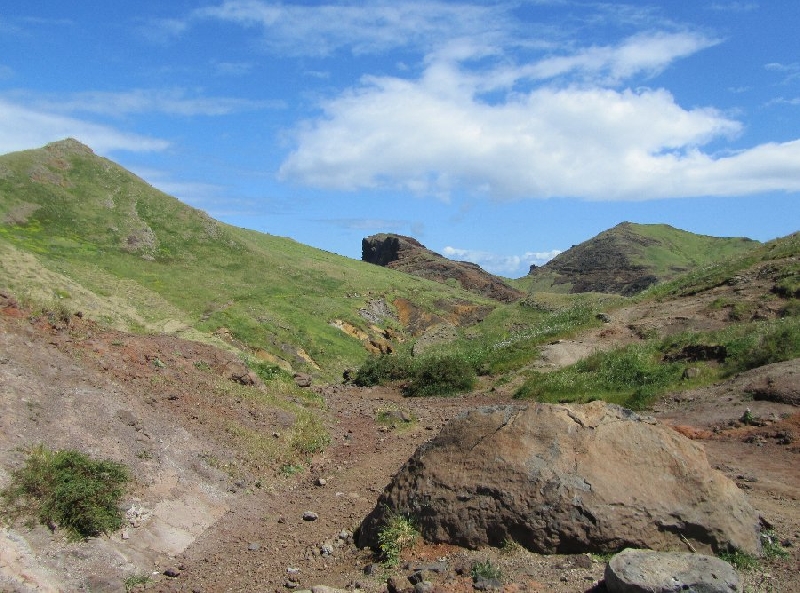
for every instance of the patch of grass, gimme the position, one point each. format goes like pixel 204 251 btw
pixel 398 534
pixel 135 580
pixel 771 546
pixel 393 417
pixel 485 569
pixel 631 376
pixel 309 435
pixel 68 489
pixel 288 469
pixel 740 560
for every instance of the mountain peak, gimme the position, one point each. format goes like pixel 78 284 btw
pixel 68 146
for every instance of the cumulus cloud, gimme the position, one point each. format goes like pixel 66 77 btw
pixel 23 128
pixel 573 133
pixel 502 265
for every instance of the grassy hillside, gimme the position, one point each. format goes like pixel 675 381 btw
pixel 79 229
pixel 630 257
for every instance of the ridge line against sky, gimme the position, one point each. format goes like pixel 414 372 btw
pixel 499 133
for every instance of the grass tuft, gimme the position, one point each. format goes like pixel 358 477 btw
pixel 69 490
pixel 397 535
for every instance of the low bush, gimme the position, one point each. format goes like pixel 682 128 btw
pixel 67 489
pixel 431 375
pixel 440 375
pixel 383 369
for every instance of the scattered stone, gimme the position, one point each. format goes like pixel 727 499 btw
pixel 646 571
pixel 486 584
pixel 321 481
pixel 254 547
pixel 392 586
pixel 303 380
pixel 326 549
pixel 437 567
pixel 310 516
pixel 372 569
pixel 582 560
pixel 566 479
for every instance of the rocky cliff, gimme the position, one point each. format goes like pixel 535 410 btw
pixel 408 255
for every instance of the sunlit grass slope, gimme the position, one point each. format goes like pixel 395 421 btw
pixel 81 229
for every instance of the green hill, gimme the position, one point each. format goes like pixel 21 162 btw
pixel 629 258
pixel 79 229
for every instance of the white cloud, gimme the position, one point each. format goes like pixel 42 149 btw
pixel 504 265
pixel 175 101
pixel 23 128
pixel 435 135
pixel 323 29
pixel 644 53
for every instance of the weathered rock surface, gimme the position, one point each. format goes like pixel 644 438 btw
pixel 408 255
pixel 645 571
pixel 779 382
pixel 566 479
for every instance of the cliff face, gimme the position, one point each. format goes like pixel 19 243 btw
pixel 408 255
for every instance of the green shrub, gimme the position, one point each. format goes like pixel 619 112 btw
pixel 398 534
pixel 440 375
pixel 383 369
pixel 68 489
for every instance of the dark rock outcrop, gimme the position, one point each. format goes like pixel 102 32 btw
pixel 408 255
pixel 566 479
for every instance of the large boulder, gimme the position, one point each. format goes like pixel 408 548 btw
pixel 645 571
pixel 566 479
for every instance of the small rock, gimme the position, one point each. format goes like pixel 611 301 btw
pixel 321 481
pixel 254 547
pixel 486 584
pixel 423 587
pixel 645 571
pixel 372 569
pixel 303 380
pixel 392 586
pixel 582 560
pixel 172 573
pixel 310 516
pixel 326 549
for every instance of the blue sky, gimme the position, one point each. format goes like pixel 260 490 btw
pixel 495 132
